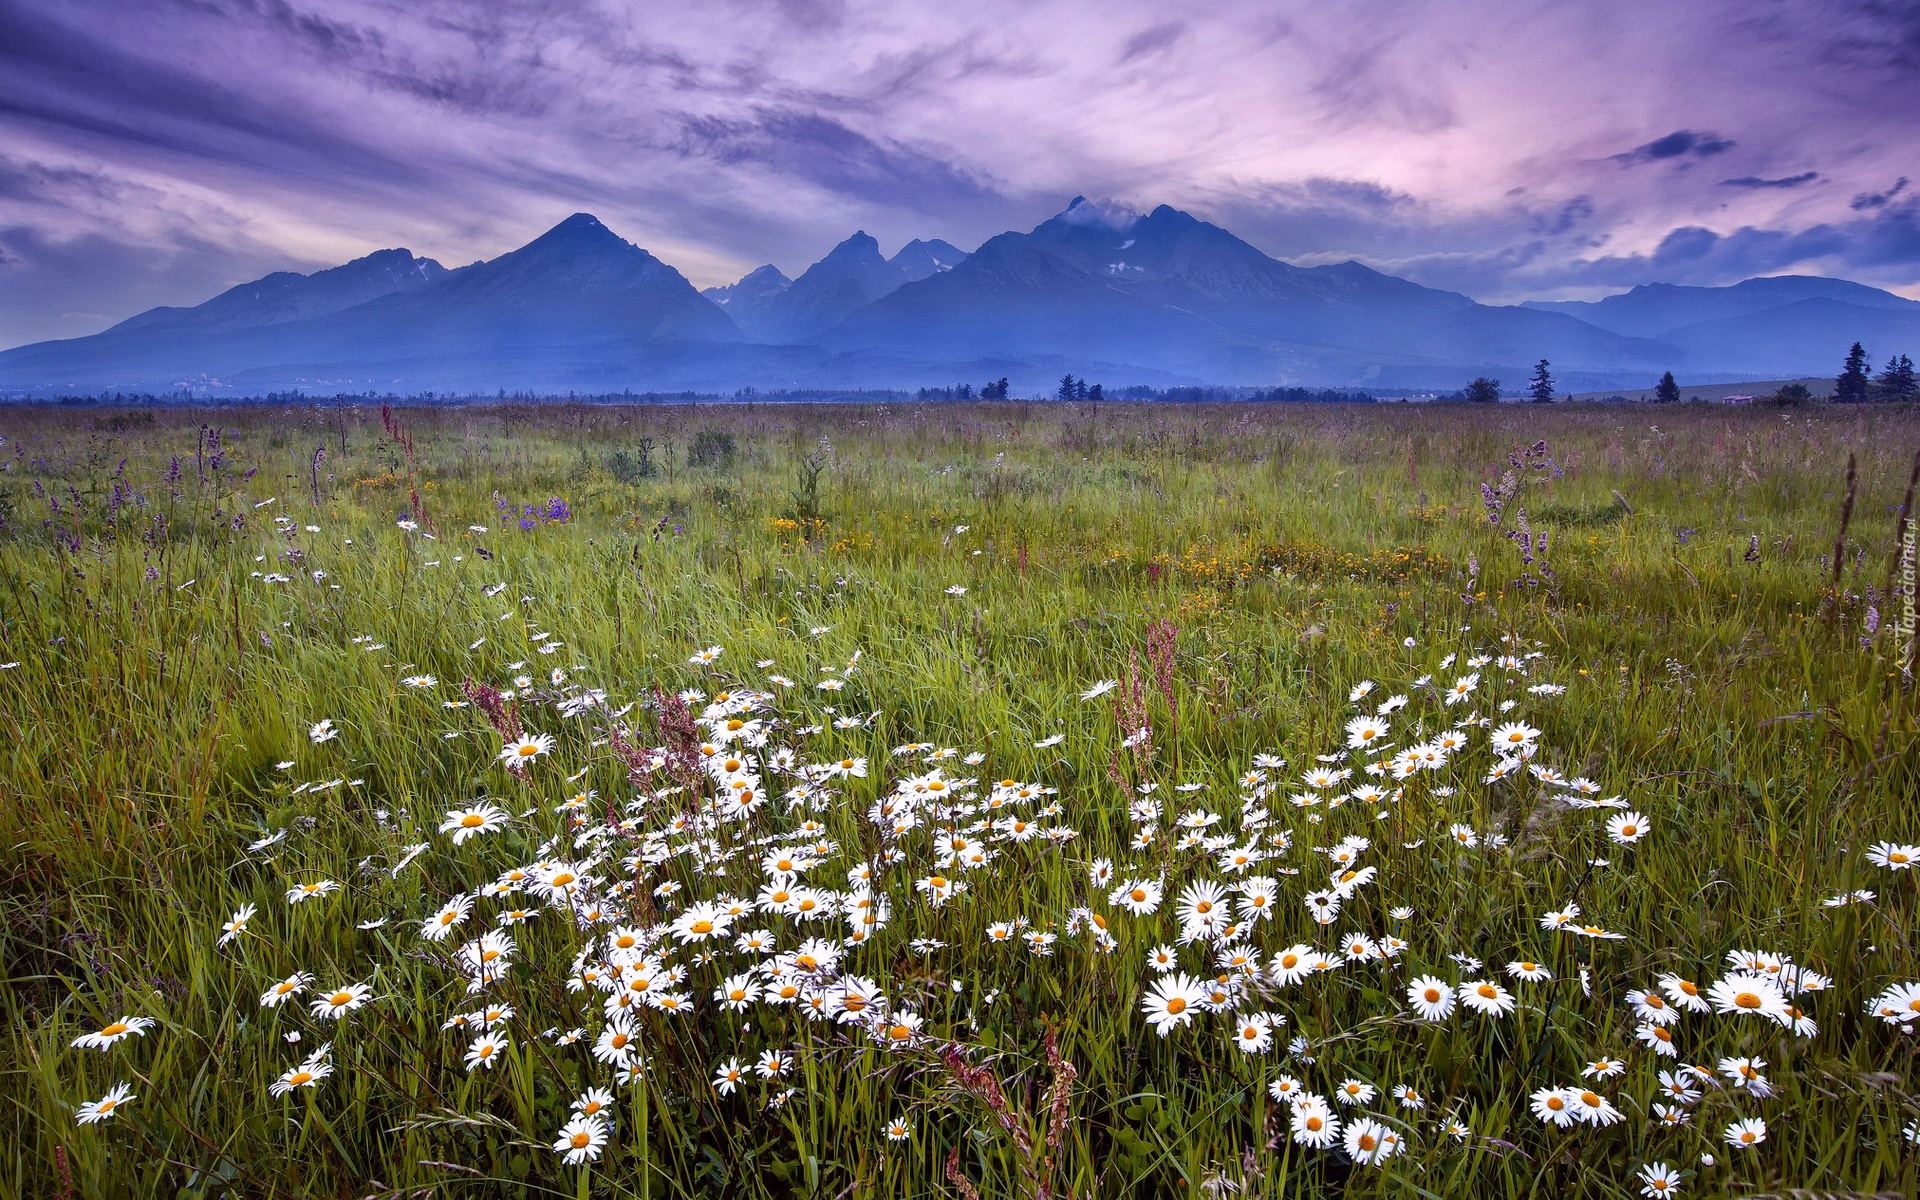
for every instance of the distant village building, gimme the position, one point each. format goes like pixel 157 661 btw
pixel 1738 398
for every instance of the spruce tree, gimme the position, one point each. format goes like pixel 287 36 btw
pixel 1896 382
pixel 1667 392
pixel 1851 386
pixel 1541 386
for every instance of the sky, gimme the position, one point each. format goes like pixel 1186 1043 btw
pixel 159 151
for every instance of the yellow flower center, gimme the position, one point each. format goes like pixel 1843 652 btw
pixel 1176 1006
pixel 703 926
pixel 472 821
pixel 1488 991
pixel 114 1030
pixel 340 998
pixel 299 1078
pixel 1747 1000
pixel 1433 995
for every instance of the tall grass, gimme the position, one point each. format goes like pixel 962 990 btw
pixel 988 563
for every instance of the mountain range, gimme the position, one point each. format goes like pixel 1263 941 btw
pixel 1097 290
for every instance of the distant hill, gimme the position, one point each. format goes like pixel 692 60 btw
pixel 1653 309
pixel 1096 290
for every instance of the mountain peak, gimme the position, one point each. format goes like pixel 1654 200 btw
pixel 1105 214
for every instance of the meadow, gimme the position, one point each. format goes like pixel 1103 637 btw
pixel 957 800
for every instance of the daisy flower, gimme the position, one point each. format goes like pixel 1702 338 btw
pixel 1627 828
pixel 727 1076
pixel 301 892
pixel 237 925
pixel 1486 998
pixel 581 1139
pixel 1355 1091
pixel 338 1003
pixel 1746 1134
pixel 899 1130
pixel 1897 856
pixel 1171 1001
pixel 287 988
pixel 1593 1109
pixel 1742 994
pixel 1658 1180
pixel 107 1035
pixel 1431 997
pixel 307 1074
pixel 1314 1124
pixel 486 1050
pixel 1370 1143
pixel 464 823
pixel 95 1111
pixel 1553 1106
pixel 525 748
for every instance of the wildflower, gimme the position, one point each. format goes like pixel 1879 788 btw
pixel 1627 828
pixel 899 1130
pixel 581 1139
pixel 308 1074
pixel 1431 997
pixel 1528 972
pixel 1553 1106
pixel 1684 993
pixel 1594 1109
pixel 1355 1091
pixel 289 987
pixel 1486 998
pixel 1746 1134
pixel 338 1003
pixel 464 823
pixel 524 749
pixel 323 731
pixel 1253 1034
pixel 301 892
pixel 95 1111
pixel 1897 856
pixel 1515 737
pixel 1370 1143
pixel 1314 1124
pixel 115 1031
pixel 485 1050
pixel 1141 897
pixel 1742 994
pixel 1170 1002
pixel 727 1076
pixel 236 926
pixel 1658 1180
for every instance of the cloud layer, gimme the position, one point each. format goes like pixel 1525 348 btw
pixel 156 153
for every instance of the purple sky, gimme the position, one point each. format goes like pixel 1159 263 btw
pixel 158 151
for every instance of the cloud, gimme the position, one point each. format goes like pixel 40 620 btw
pixel 1678 144
pixel 1866 200
pixel 1150 39
pixel 1788 181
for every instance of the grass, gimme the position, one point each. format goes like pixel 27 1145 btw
pixel 1238 568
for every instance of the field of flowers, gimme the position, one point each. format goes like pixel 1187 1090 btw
pixel 957 800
